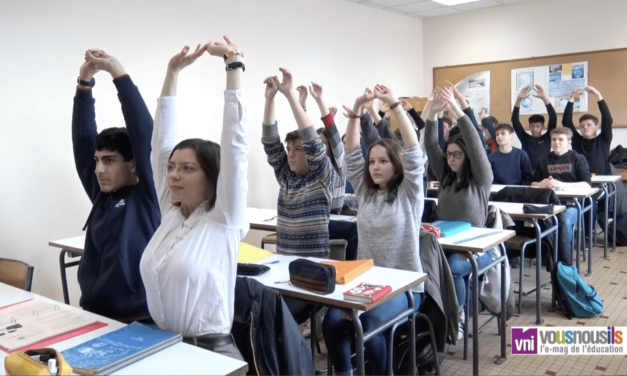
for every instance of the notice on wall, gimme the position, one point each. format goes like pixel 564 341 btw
pixel 559 80
pixel 476 90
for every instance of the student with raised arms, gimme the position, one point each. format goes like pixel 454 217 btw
pixel 389 187
pixel 114 168
pixel 465 177
pixel 189 266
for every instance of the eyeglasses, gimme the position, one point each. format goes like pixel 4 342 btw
pixel 455 154
pixel 184 169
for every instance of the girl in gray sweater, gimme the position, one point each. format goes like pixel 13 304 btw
pixel 390 192
pixel 465 178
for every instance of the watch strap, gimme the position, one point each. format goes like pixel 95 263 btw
pixel 235 65
pixel 90 83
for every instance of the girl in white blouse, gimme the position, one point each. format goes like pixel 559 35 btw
pixel 189 266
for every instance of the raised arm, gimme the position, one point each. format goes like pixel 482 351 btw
pixel 412 112
pixel 376 115
pixel 386 95
pixel 369 131
pixel 84 131
pixel 136 116
pixel 272 145
pixel 165 135
pixel 481 169
pixel 328 118
pixel 435 152
pixel 567 118
pixel 518 127
pixel 232 187
pixel 606 117
pixel 544 96
pixel 313 147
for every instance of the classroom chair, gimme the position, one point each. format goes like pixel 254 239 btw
pixel 16 273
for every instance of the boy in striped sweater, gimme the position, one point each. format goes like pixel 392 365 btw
pixel 305 175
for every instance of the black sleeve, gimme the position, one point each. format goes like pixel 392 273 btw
pixel 606 122
pixel 417 119
pixel 552 117
pixel 518 127
pixel 567 121
pixel 84 132
pixel 383 128
pixel 368 131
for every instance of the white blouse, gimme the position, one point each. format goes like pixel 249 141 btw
pixel 189 266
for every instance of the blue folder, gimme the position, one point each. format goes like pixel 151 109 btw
pixel 115 350
pixel 450 228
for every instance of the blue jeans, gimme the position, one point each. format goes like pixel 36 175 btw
pixel 338 331
pixel 461 269
pixel 570 217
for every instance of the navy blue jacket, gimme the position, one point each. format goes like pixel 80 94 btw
pixel 513 168
pixel 120 223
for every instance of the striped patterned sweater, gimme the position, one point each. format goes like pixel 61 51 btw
pixel 337 150
pixel 304 200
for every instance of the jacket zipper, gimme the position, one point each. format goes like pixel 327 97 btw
pixel 252 346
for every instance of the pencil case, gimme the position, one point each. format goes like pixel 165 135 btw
pixel 312 276
pixel 251 269
pixel 538 209
pixel 21 363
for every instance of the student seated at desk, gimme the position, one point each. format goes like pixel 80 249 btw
pixel 305 175
pixel 535 144
pixel 114 168
pixel 465 180
pixel 594 141
pixel 189 267
pixel 389 189
pixel 563 168
pixel 510 165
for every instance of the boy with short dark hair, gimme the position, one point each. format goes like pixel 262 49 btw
pixel 535 144
pixel 510 165
pixel 114 168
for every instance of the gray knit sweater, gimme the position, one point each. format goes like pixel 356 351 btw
pixel 389 232
pixel 470 204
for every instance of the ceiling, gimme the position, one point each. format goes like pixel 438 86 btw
pixel 427 9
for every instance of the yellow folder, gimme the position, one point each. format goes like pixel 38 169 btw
pixel 249 253
pixel 346 271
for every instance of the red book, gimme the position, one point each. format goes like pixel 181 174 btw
pixel 367 292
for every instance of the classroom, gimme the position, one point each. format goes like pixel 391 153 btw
pixel 421 103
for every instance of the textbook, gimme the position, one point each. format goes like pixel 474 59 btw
pixel 346 271
pixel 450 228
pixel 367 293
pixel 112 351
pixel 249 254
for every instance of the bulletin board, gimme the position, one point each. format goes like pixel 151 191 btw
pixel 607 71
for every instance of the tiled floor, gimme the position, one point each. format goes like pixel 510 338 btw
pixel 609 277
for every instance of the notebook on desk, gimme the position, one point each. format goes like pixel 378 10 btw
pixel 112 351
pixel 450 228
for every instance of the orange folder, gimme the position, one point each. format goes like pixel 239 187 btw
pixel 346 271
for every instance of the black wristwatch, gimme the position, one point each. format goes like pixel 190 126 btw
pixel 235 65
pixel 86 83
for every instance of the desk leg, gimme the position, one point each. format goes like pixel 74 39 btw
pixel 538 271
pixel 555 256
pixel 359 341
pixel 412 336
pixel 503 320
pixel 475 315
pixel 607 216
pixel 63 265
pixel 579 229
pixel 590 235
pixel 614 220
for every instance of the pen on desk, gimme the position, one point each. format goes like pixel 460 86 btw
pixel 271 262
pixel 269 219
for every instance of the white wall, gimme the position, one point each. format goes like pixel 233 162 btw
pixel 523 30
pixel 42 48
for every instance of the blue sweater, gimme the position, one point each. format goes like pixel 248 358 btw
pixel 120 223
pixel 512 168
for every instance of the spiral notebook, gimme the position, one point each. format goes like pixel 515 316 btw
pixel 34 322
pixel 112 351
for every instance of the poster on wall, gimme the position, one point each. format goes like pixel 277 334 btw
pixel 559 80
pixel 476 89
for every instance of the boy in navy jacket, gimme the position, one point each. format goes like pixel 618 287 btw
pixel 114 168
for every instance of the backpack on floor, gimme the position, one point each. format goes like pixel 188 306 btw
pixel 573 294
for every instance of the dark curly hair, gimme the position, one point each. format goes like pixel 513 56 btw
pixel 115 139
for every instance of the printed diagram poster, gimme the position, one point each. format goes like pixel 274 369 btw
pixel 558 80
pixel 476 89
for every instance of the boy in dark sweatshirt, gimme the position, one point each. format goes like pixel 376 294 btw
pixel 510 165
pixel 114 168
pixel 535 144
pixel 594 146
pixel 563 168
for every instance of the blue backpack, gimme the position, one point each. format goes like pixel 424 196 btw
pixel 574 295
